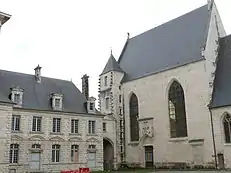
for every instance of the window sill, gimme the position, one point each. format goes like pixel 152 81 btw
pixel 134 143
pixel 92 134
pixel 227 144
pixel 36 132
pixel 16 131
pixel 74 134
pixel 56 133
pixel 15 164
pixel 180 139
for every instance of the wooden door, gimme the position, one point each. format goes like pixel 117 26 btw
pixel 149 156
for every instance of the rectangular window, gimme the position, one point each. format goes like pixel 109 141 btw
pixel 107 103
pixel 14 151
pixel 56 125
pixel 57 103
pixel 74 126
pixel 120 98
pixel 75 153
pixel 120 111
pixel 91 146
pixel 91 127
pixel 121 123
pixel 36 124
pixel 91 106
pixel 15 123
pixel 16 98
pixel 104 127
pixel 55 153
pixel 105 81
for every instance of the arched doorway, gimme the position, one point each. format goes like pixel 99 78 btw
pixel 108 154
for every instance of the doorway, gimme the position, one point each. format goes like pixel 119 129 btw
pixel 108 153
pixel 149 157
pixel 221 161
pixel 35 161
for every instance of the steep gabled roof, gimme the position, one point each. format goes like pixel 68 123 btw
pixel 222 84
pixel 38 95
pixel 167 46
pixel 111 65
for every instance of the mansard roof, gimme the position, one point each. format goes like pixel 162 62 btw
pixel 222 84
pixel 111 65
pixel 167 46
pixel 38 95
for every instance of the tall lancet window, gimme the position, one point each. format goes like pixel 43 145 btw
pixel 227 128
pixel 134 115
pixel 177 113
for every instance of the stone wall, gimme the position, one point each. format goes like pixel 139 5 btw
pixel 25 138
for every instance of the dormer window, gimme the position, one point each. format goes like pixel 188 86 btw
pixel 57 101
pixel 91 105
pixel 17 95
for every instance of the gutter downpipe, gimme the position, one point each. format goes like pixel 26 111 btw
pixel 213 137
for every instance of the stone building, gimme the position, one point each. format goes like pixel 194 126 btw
pixel 47 125
pixel 169 96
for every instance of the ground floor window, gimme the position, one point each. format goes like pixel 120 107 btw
pixel 74 153
pixel 55 153
pixel 14 152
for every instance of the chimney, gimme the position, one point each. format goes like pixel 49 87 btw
pixel 85 86
pixel 38 74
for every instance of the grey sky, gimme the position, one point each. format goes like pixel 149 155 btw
pixel 69 38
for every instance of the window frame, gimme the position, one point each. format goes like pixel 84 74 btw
pixel 14 153
pixel 104 127
pixel 56 127
pixel 55 155
pixel 91 127
pixel 35 121
pixel 15 125
pixel 74 148
pixel 105 81
pixel 74 126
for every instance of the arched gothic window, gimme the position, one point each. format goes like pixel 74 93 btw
pixel 227 128
pixel 134 116
pixel 177 114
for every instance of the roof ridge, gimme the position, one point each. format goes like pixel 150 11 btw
pixel 26 74
pixel 161 25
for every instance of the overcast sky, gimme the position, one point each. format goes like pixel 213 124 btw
pixel 69 38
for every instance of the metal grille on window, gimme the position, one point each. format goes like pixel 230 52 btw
pixel 74 126
pixel 36 125
pixel 14 152
pixel 56 124
pixel 55 153
pixel 16 122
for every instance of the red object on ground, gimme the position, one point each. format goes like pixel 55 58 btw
pixel 84 170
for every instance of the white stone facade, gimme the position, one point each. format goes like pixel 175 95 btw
pixel 25 137
pixel 197 80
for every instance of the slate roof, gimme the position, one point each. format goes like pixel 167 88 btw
pixel 222 84
pixel 38 95
pixel 111 65
pixel 170 45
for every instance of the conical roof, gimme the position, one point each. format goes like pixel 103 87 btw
pixel 111 65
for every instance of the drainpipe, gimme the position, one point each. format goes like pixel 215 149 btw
pixel 213 137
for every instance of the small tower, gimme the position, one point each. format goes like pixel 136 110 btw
pixel 38 74
pixel 110 99
pixel 4 18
